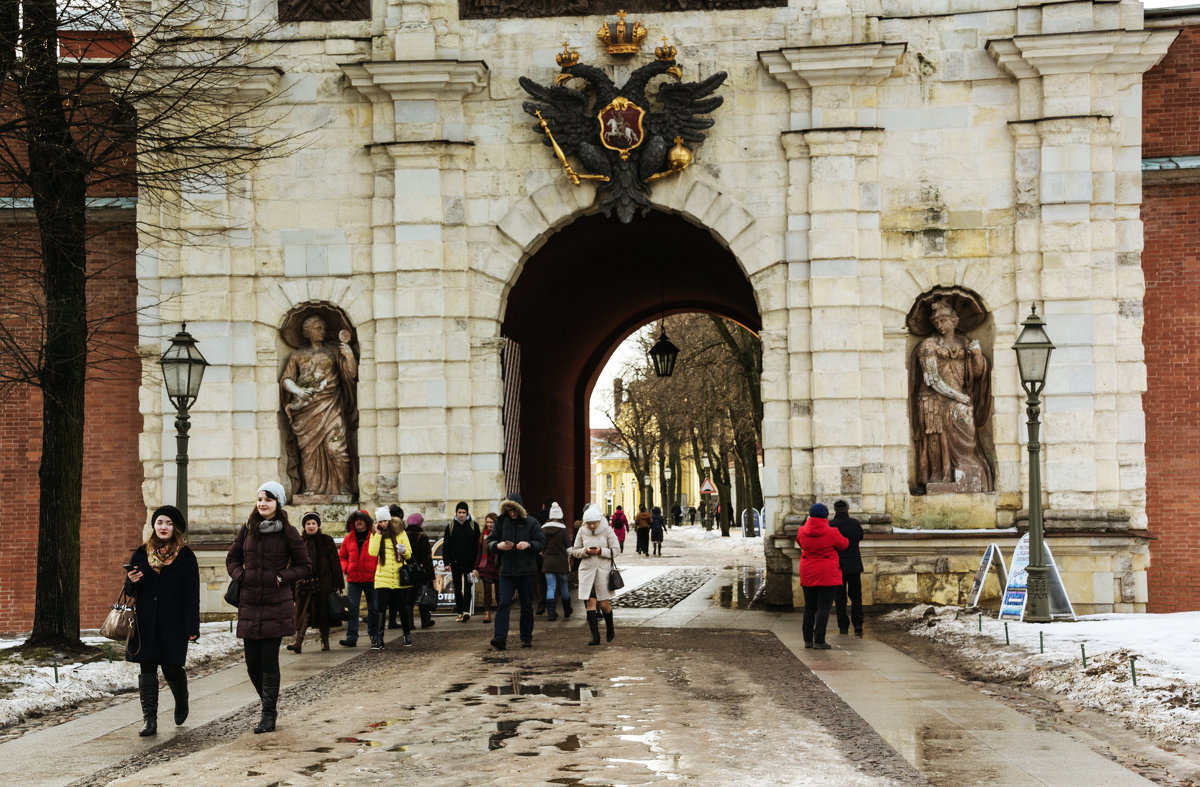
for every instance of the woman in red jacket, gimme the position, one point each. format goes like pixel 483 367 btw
pixel 359 567
pixel 820 573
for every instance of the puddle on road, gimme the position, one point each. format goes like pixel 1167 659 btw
pixel 565 691
pixel 741 592
pixel 504 731
pixel 570 744
pixel 457 687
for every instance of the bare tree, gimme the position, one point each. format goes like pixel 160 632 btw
pixel 101 99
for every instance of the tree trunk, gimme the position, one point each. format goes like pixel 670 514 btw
pixel 58 180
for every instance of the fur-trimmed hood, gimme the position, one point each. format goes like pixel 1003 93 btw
pixel 507 506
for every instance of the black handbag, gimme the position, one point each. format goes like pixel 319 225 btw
pixel 428 597
pixel 615 581
pixel 340 607
pixel 411 574
pixel 233 593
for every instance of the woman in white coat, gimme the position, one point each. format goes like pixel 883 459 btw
pixel 595 545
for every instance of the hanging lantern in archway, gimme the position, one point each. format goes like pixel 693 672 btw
pixel 664 354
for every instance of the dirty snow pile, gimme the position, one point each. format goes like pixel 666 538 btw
pixel 735 547
pixel 31 690
pixel 1164 651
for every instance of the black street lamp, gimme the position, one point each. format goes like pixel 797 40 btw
pixel 664 354
pixel 183 369
pixel 1033 348
pixel 649 500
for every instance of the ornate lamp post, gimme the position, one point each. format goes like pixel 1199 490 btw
pixel 667 476
pixel 646 482
pixel 1033 348
pixel 183 369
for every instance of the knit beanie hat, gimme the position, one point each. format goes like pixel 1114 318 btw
pixel 275 490
pixel 555 512
pixel 383 514
pixel 592 514
pixel 415 519
pixel 175 515
pixel 461 507
pixel 311 515
pixel 818 511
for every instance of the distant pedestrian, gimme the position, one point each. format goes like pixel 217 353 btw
pixel 358 564
pixel 692 516
pixel 460 551
pixel 642 524
pixel 820 575
pixel 487 568
pixel 850 560
pixel 677 514
pixel 595 546
pixel 267 558
pixel 657 525
pixel 619 524
pixel 543 516
pixel 389 599
pixel 312 593
pixel 422 553
pixel 389 543
pixel 517 541
pixel 164 580
pixel 555 564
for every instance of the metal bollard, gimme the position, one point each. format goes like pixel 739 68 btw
pixel 1006 642
pixel 1041 642
pixel 1083 651
pixel 56 669
pixel 980 621
pixel 1133 668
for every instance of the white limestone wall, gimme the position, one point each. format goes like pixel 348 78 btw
pixel 865 153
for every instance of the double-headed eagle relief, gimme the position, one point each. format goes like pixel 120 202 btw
pixel 623 139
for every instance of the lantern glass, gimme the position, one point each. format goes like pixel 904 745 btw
pixel 183 369
pixel 1033 347
pixel 664 354
pixel 667 473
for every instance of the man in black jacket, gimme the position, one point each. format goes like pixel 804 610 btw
pixel 460 550
pixel 851 562
pixel 517 539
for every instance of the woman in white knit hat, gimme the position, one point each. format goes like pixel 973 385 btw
pixel 595 546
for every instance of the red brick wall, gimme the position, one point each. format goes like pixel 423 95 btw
pixel 1171 263
pixel 113 511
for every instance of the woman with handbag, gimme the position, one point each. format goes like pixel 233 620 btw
pixel 487 569
pixel 423 557
pixel 390 545
pixel 312 594
pixel 164 580
pixel 268 556
pixel 595 546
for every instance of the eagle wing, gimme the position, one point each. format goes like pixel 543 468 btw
pixel 565 111
pixel 683 109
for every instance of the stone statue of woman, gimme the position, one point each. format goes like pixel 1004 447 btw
pixel 950 386
pixel 318 398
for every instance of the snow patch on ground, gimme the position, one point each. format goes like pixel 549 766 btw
pixel 736 547
pixel 32 691
pixel 1165 650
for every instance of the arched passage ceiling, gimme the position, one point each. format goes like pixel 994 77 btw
pixel 584 291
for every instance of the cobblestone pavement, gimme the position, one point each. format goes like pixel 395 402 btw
pixel 667 590
pixel 656 705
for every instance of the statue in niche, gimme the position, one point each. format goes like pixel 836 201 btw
pixel 949 394
pixel 320 404
pixel 323 10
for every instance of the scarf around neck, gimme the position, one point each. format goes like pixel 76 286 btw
pixel 163 556
pixel 270 526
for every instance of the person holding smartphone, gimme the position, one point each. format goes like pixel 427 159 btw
pixel 163 577
pixel 595 546
pixel 516 541
pixel 391 546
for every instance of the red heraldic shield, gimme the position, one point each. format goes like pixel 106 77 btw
pixel 621 126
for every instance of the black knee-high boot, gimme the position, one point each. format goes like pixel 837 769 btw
pixel 148 688
pixel 270 700
pixel 594 625
pixel 179 691
pixel 608 627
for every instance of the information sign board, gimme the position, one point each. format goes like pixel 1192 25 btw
pixel 992 558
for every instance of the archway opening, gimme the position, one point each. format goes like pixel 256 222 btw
pixel 591 285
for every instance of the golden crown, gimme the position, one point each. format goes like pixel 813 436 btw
pixel 620 38
pixel 665 53
pixel 567 57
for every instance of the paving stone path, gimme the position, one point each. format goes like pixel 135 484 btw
pixel 666 591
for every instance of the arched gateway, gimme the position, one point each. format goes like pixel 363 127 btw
pixel 863 164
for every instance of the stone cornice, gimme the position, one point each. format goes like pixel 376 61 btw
pixel 434 153
pixel 417 80
pixel 1104 51
pixel 844 64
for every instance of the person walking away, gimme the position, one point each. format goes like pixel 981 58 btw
pixel 820 574
pixel 359 567
pixel 595 545
pixel 555 565
pixel 642 524
pixel 656 530
pixel 850 560
pixel 487 568
pixel 393 550
pixel 312 593
pixel 677 514
pixel 422 552
pixel 692 516
pixel 619 524
pixel 460 549
pixel 267 558
pixel 517 540
pixel 164 580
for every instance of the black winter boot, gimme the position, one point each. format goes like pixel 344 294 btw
pixel 552 610
pixel 608 627
pixel 179 691
pixel 148 688
pixel 270 700
pixel 594 625
pixel 567 610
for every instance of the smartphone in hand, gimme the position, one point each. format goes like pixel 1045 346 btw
pixel 127 566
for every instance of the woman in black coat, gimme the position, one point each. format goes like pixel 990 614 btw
pixel 312 594
pixel 164 580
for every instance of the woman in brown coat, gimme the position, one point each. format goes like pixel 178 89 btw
pixel 312 594
pixel 267 558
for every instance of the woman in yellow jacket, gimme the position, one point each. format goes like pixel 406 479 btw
pixel 390 544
